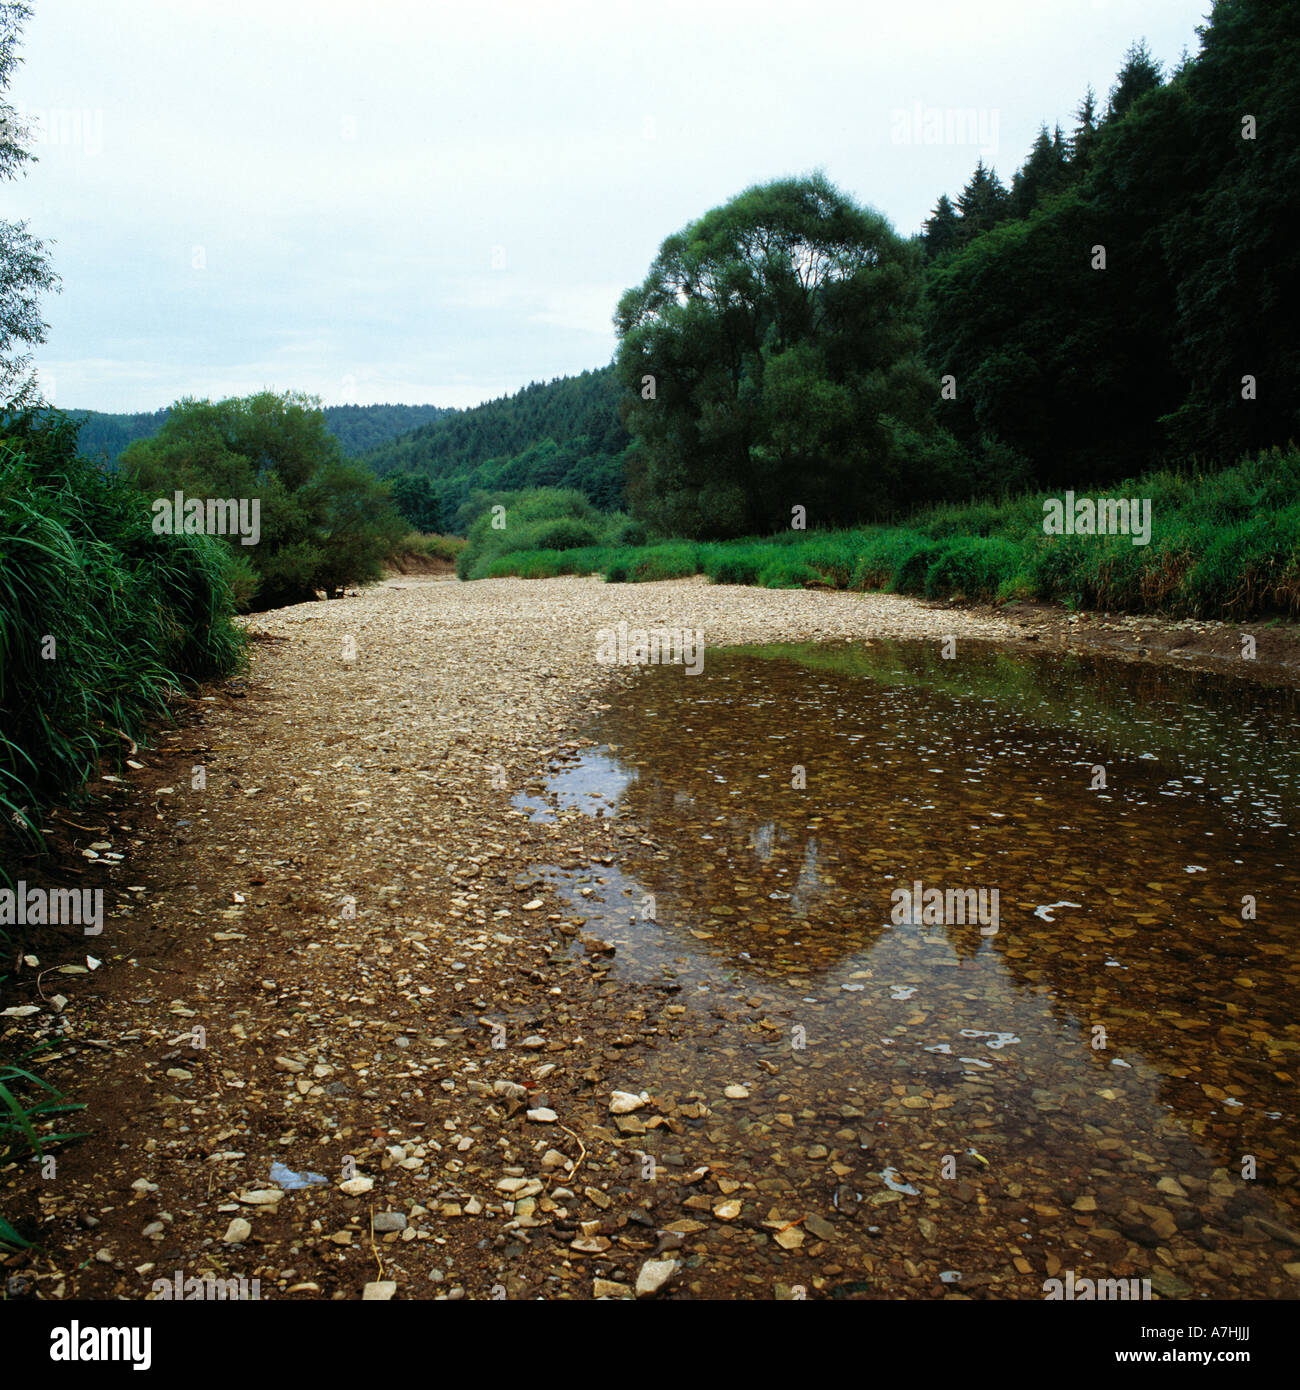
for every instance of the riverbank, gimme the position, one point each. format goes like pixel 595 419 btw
pixel 343 903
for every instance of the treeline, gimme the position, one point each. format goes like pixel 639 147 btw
pixel 1124 303
pixel 1130 297
pixel 358 428
pixel 564 433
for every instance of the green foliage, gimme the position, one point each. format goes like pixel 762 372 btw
pixel 549 520
pixel 565 433
pixel 28 1107
pixel 770 359
pixel 1224 545
pixel 1192 187
pixel 325 523
pixel 25 271
pixel 100 618
pixel 417 499
pixel 788 573
pixel 358 428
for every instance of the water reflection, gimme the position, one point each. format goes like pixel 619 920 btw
pixel 1131 1015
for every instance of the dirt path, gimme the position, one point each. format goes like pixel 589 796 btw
pixel 344 910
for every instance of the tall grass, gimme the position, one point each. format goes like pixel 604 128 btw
pixel 1223 545
pixel 101 621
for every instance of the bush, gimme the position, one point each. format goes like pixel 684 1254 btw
pixel 787 574
pixel 725 566
pixel 973 567
pixel 324 523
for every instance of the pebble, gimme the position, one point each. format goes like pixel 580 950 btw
pixel 610 1288
pixel 237 1232
pixel 654 1275
pixel 389 1221
pixel 379 1291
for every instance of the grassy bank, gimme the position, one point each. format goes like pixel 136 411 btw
pixel 100 618
pixel 101 622
pixel 1223 545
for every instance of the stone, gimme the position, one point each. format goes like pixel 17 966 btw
pixel 237 1232
pixel 610 1288
pixel 357 1187
pixel 543 1116
pixel 1274 1229
pixel 262 1196
pixel 823 1229
pixel 624 1102
pixel 736 1093
pixel 1168 1285
pixel 379 1291
pixel 654 1276
pixel 389 1221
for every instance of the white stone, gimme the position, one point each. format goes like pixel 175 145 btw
pixel 653 1276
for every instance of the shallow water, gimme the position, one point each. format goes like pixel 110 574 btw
pixel 1084 1080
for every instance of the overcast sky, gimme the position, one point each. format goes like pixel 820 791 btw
pixel 434 202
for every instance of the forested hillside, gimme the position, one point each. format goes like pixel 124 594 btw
pixel 357 428
pixel 563 433
pixel 1124 303
pixel 1130 299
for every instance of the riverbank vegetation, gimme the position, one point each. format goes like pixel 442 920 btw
pixel 1222 544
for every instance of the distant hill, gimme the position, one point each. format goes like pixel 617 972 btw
pixel 358 428
pixel 562 433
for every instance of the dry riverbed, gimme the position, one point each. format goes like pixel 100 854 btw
pixel 326 951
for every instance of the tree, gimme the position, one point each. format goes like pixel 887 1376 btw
pixel 24 265
pixel 323 523
pixel 942 228
pixel 1085 134
pixel 983 203
pixel 1042 173
pixel 1139 75
pixel 770 358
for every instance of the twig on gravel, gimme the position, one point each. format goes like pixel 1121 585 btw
pixel 374 1249
pixel 582 1157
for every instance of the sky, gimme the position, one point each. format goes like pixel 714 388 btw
pixel 439 203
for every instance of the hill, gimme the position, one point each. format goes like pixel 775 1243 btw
pixel 358 428
pixel 563 433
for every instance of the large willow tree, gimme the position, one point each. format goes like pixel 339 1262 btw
pixel 771 359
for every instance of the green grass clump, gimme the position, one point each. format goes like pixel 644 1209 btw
pixel 101 620
pixel 1223 545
